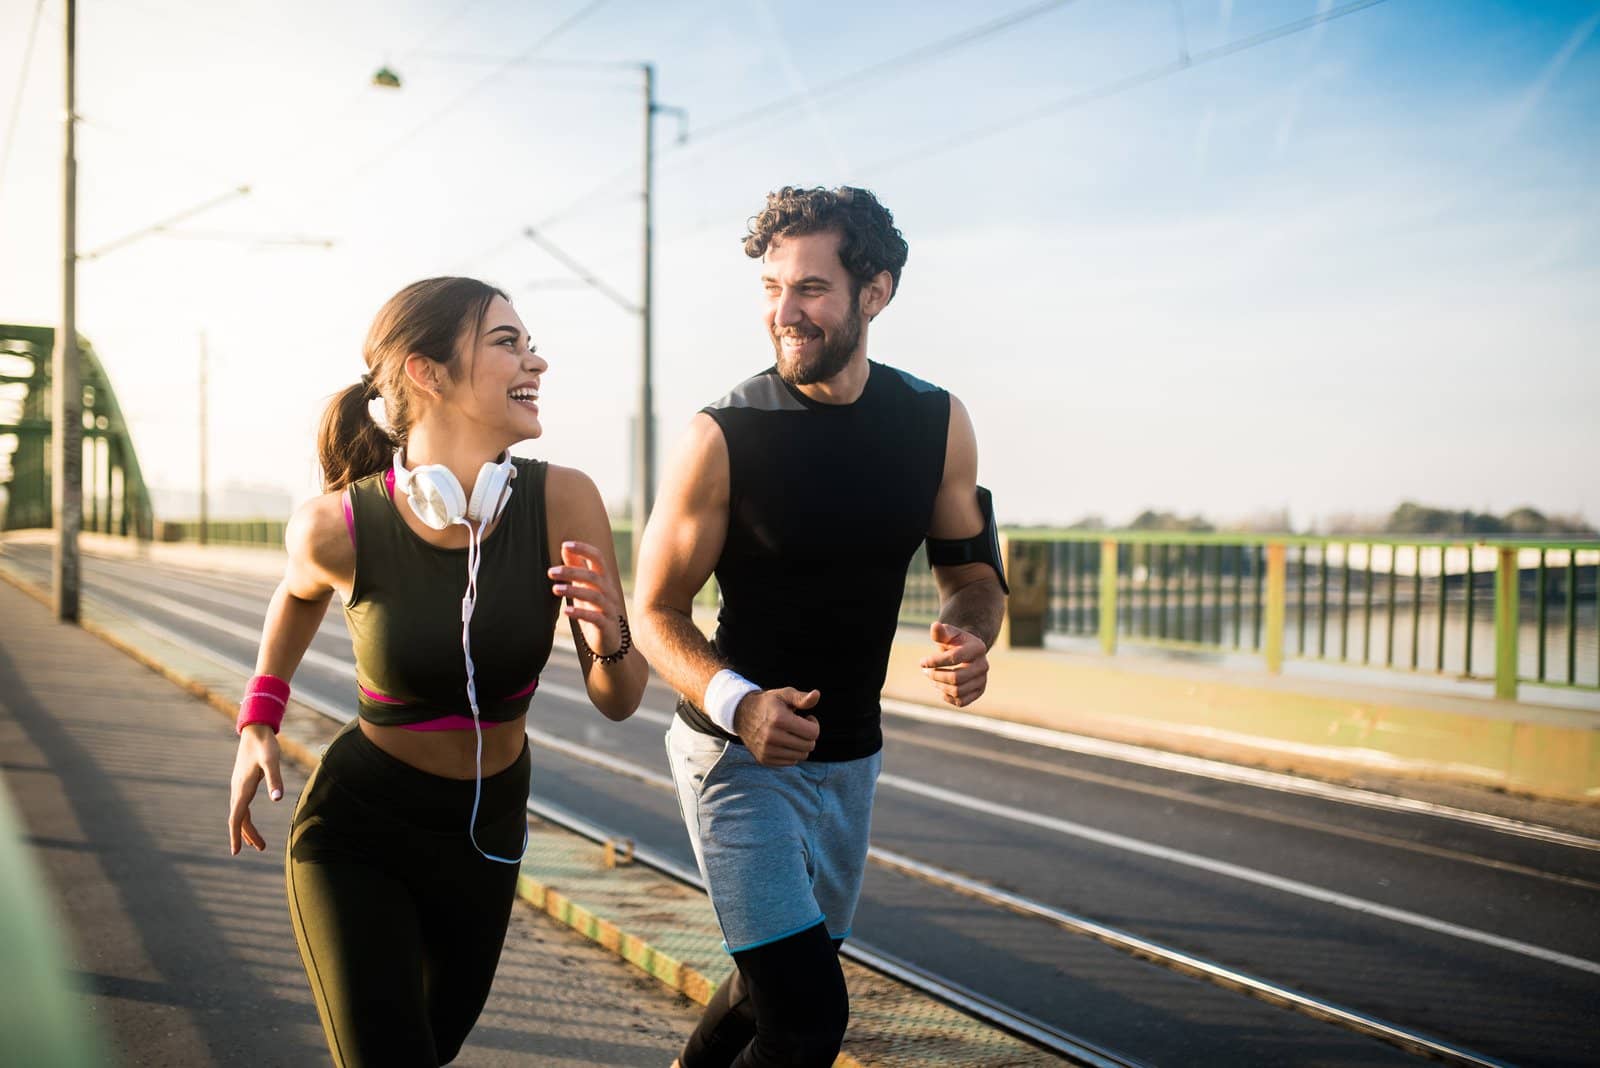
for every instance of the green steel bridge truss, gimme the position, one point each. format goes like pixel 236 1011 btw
pixel 115 498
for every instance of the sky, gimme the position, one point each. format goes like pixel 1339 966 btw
pixel 1324 273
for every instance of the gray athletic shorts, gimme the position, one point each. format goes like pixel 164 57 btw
pixel 779 848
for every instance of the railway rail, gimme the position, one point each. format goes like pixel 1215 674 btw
pixel 234 595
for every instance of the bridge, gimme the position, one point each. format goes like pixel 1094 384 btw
pixel 1232 798
pixel 115 498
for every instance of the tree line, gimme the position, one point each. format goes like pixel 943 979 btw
pixel 1409 517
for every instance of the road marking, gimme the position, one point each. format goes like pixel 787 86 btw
pixel 210 593
pixel 1256 812
pixel 1188 765
pixel 1123 842
pixel 218 623
pixel 1216 769
pixel 572 693
pixel 1236 871
pixel 1067 827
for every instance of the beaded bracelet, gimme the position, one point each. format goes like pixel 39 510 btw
pixel 609 658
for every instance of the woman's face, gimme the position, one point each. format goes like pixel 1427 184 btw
pixel 499 387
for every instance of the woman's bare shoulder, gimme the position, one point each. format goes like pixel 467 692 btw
pixel 318 542
pixel 574 506
pixel 568 485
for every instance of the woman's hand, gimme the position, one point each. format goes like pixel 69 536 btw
pixel 257 759
pixel 593 596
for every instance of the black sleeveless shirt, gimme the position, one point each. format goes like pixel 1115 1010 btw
pixel 827 505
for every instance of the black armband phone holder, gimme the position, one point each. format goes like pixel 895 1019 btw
pixel 982 548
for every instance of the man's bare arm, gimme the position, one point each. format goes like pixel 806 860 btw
pixel 678 552
pixel 972 602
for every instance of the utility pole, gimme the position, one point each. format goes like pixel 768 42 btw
pixel 66 430
pixel 644 489
pixel 205 514
pixel 644 451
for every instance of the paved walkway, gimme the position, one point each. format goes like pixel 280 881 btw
pixel 185 955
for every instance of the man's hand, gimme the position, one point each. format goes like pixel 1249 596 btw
pixel 771 725
pixel 960 669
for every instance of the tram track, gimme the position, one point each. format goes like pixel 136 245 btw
pixel 1164 956
pixel 145 600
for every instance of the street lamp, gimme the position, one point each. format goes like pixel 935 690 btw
pixel 643 489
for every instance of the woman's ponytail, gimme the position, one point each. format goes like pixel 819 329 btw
pixel 350 445
pixel 430 318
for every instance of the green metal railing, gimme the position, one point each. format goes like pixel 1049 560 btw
pixel 258 533
pixel 1502 610
pixel 1512 612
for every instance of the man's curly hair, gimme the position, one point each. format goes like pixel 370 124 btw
pixel 868 241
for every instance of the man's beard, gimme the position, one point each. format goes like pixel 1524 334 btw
pixel 833 357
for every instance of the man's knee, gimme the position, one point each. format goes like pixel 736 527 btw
pixel 812 1040
pixel 797 989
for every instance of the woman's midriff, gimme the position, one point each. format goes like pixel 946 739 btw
pixel 449 754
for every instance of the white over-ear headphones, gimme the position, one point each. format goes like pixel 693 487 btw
pixel 438 500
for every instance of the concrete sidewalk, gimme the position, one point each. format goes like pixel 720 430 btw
pixel 184 955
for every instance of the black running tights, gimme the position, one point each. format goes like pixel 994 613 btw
pixel 785 1004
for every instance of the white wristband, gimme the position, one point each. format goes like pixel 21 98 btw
pixel 726 690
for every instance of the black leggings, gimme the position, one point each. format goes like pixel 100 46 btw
pixel 785 1004
pixel 398 919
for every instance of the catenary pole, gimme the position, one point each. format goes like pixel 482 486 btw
pixel 66 430
pixel 644 435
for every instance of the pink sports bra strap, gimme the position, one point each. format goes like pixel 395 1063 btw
pixel 349 518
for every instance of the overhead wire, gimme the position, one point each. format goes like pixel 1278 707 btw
pixel 522 57
pixel 1121 85
pixel 22 86
pixel 440 26
pixel 921 54
pixel 1185 61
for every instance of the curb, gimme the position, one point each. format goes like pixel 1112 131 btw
pixel 688 981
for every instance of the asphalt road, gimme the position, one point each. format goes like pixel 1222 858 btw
pixel 1467 933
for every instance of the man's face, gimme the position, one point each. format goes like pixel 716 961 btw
pixel 813 308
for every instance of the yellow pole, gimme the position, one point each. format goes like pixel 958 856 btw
pixel 1507 592
pixel 1108 596
pixel 1277 583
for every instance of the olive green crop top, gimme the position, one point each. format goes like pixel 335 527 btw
pixel 404 612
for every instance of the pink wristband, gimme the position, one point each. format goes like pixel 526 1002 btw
pixel 265 698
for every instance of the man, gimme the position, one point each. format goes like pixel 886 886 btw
pixel 807 490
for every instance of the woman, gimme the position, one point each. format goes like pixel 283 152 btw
pixel 402 857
